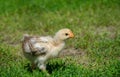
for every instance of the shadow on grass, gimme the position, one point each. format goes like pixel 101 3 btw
pixel 56 66
pixel 50 67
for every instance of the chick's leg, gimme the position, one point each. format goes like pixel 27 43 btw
pixel 42 67
pixel 33 66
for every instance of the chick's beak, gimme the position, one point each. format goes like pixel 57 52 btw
pixel 71 35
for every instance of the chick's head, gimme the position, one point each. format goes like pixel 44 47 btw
pixel 64 34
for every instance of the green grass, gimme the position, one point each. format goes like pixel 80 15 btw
pixel 95 23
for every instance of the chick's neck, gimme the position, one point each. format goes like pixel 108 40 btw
pixel 57 40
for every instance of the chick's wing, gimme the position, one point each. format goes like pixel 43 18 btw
pixel 39 46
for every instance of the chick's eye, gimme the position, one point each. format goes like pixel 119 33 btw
pixel 66 34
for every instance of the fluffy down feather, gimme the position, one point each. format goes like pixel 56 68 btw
pixel 39 49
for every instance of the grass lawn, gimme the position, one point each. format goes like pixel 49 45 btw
pixel 95 23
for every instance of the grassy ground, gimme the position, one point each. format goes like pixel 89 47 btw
pixel 95 23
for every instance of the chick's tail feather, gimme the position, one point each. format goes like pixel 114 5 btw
pixel 24 37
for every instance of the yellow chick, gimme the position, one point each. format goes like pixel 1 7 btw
pixel 39 49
